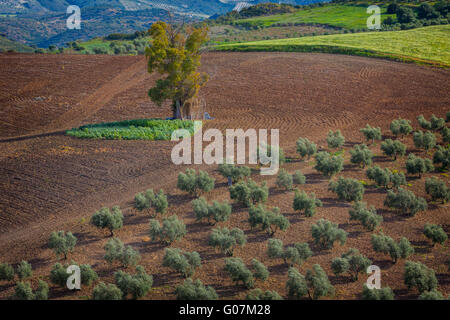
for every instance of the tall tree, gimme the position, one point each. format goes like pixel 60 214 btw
pixel 174 53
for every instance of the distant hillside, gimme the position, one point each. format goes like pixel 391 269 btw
pixel 7 45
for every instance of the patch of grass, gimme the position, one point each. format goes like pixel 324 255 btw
pixel 427 45
pixel 141 129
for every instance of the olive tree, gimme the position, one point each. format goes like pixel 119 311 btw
pixel 248 193
pixel 315 284
pixel 424 123
pixel 366 215
pixel 238 272
pixel 23 291
pixel 217 212
pixel 385 293
pixel 437 189
pixel 172 229
pixel 396 250
pixel 435 233
pixel 383 177
pixel 371 133
pixel 425 140
pixel 195 290
pixel 258 294
pixel 260 271
pixel 105 219
pixel 405 202
pixel 352 262
pixel 361 155
pixel 226 240
pixel 24 270
pixel 182 261
pixel 326 233
pixel 401 127
pixel 393 148
pixel 329 165
pixel 284 180
pixel 106 292
pixel 6 272
pixel 59 275
pixel 135 285
pixel 347 189
pixel 335 139
pixel 62 243
pixel 306 148
pixel 116 251
pixel 298 178
pixel 436 123
pixel 149 200
pixel 195 183
pixel 419 276
pixel 269 220
pixel 445 133
pixel 431 295
pixel 305 203
pixel 296 254
pixel 442 156
pixel 235 173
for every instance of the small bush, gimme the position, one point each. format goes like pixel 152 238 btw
pixel 195 290
pixel 435 233
pixel 184 262
pixel 258 294
pixel 24 270
pixel 329 165
pixel 436 123
pixel 405 201
pixel 269 220
pixel 335 139
pixel 377 294
pixel 226 240
pixel 306 148
pixel 238 272
pixel 385 244
pixel 425 140
pixel 6 272
pixel 393 148
pixel 106 292
pixel 445 132
pixel 298 178
pixel 194 183
pixel 214 213
pixel 105 219
pixel 442 156
pixel 284 180
pixel 248 193
pixel 171 230
pixel 437 189
pixel 41 292
pixel 419 276
pixel 259 270
pixel 366 215
pixel 431 295
pixel 371 133
pixel 23 291
pixel 361 155
pixel 347 189
pixel 235 173
pixel 325 233
pixel 117 251
pixel 62 243
pixel 305 203
pixel 352 262
pixel 401 127
pixel 136 285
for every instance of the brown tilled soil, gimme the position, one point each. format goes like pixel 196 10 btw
pixel 50 181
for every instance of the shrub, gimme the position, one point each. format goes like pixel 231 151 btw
pixel 238 272
pixel 23 291
pixel 62 243
pixel 385 244
pixel 361 155
pixel 329 165
pixel 194 183
pixel 136 285
pixel 105 219
pixel 306 203
pixel 171 230
pixel 88 275
pixel 298 177
pixel 248 193
pixel 442 156
pixel 401 127
pixel 436 123
pixel 347 189
pixel 41 292
pixel 393 148
pixel 284 180
pixel 6 272
pixel 325 233
pixel 296 284
pixel 269 220
pixel 106 292
pixel 417 165
pixel 366 215
pixel 318 283
pixel 180 261
pixel 335 139
pixel 227 240
pixel 24 270
pixel 377 294
pixel 371 133
pixel 214 213
pixel 258 294
pixel 160 203
pixel 306 148
pixel 117 251
pixel 424 123
pixel 419 276
pixel 435 233
pixel 437 189
pixel 259 270
pixel 425 140
pixel 431 295
pixel 195 290
pixel 352 262
pixel 235 173
pixel 445 132
pixel 405 201
pixel 144 200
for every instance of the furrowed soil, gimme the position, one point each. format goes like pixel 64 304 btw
pixel 50 181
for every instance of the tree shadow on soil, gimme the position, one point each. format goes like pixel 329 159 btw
pixel 334 203
pixel 421 246
pixel 314 178
pixel 229 291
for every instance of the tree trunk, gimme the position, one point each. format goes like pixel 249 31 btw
pixel 177 110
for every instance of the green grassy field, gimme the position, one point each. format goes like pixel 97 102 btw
pixel 6 44
pixel 427 45
pixel 343 16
